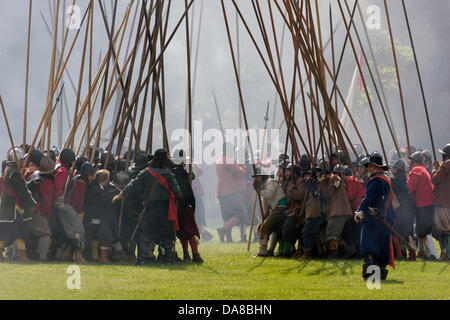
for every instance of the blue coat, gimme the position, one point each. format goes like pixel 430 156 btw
pixel 375 237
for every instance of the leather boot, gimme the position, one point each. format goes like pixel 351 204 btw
pixel 197 259
pixel 104 256
pixel 412 255
pixel 22 256
pixel 67 254
pixel 421 255
pixel 132 259
pixel 262 251
pixel 168 257
pixel 79 257
pixel 122 256
pixel 186 257
pixel 306 254
pixel 333 246
pixel 298 253
pixel 221 233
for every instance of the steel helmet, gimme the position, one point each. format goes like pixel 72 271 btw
pixel 121 179
pixel 19 152
pixel 417 157
pixel 446 150
pixel 399 164
pixel 323 166
pixel 427 154
pixel 46 166
pixel 179 157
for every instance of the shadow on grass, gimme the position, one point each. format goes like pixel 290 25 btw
pixel 302 265
pixel 392 282
pixel 259 264
pixel 444 268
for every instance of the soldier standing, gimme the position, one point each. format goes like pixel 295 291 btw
pixel 16 206
pixel 375 237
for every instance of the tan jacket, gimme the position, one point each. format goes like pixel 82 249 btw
pixel 271 194
pixel 338 204
pixel 441 182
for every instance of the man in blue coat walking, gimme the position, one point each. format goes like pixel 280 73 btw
pixel 375 237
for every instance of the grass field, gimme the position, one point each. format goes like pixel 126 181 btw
pixel 229 272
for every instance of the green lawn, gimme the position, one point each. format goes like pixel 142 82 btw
pixel 229 272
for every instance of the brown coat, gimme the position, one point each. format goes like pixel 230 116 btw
pixel 338 204
pixel 312 207
pixel 441 182
pixel 295 192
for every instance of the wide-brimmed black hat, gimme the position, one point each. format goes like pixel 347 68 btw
pixel 376 159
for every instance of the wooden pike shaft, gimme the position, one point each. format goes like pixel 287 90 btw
pixel 388 122
pixel 188 50
pixel 10 137
pixel 25 111
pixel 420 80
pixel 274 80
pixel 240 91
pixel 394 53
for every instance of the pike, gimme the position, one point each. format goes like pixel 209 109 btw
pixel 402 100
pixel 420 80
pixel 25 111
pixel 11 138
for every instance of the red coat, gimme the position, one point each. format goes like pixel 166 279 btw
pixel 60 179
pixel 419 185
pixel 78 192
pixel 231 177
pixel 355 191
pixel 45 205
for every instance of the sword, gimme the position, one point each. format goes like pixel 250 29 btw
pixel 375 213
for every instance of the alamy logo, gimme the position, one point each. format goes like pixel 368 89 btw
pixel 374 281
pixel 73 17
pixel 74 280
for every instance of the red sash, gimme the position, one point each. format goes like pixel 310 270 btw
pixel 172 205
pixel 391 198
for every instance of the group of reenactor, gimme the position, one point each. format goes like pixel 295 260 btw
pixel 339 208
pixel 56 206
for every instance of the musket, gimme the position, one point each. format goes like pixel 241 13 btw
pixel 375 213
